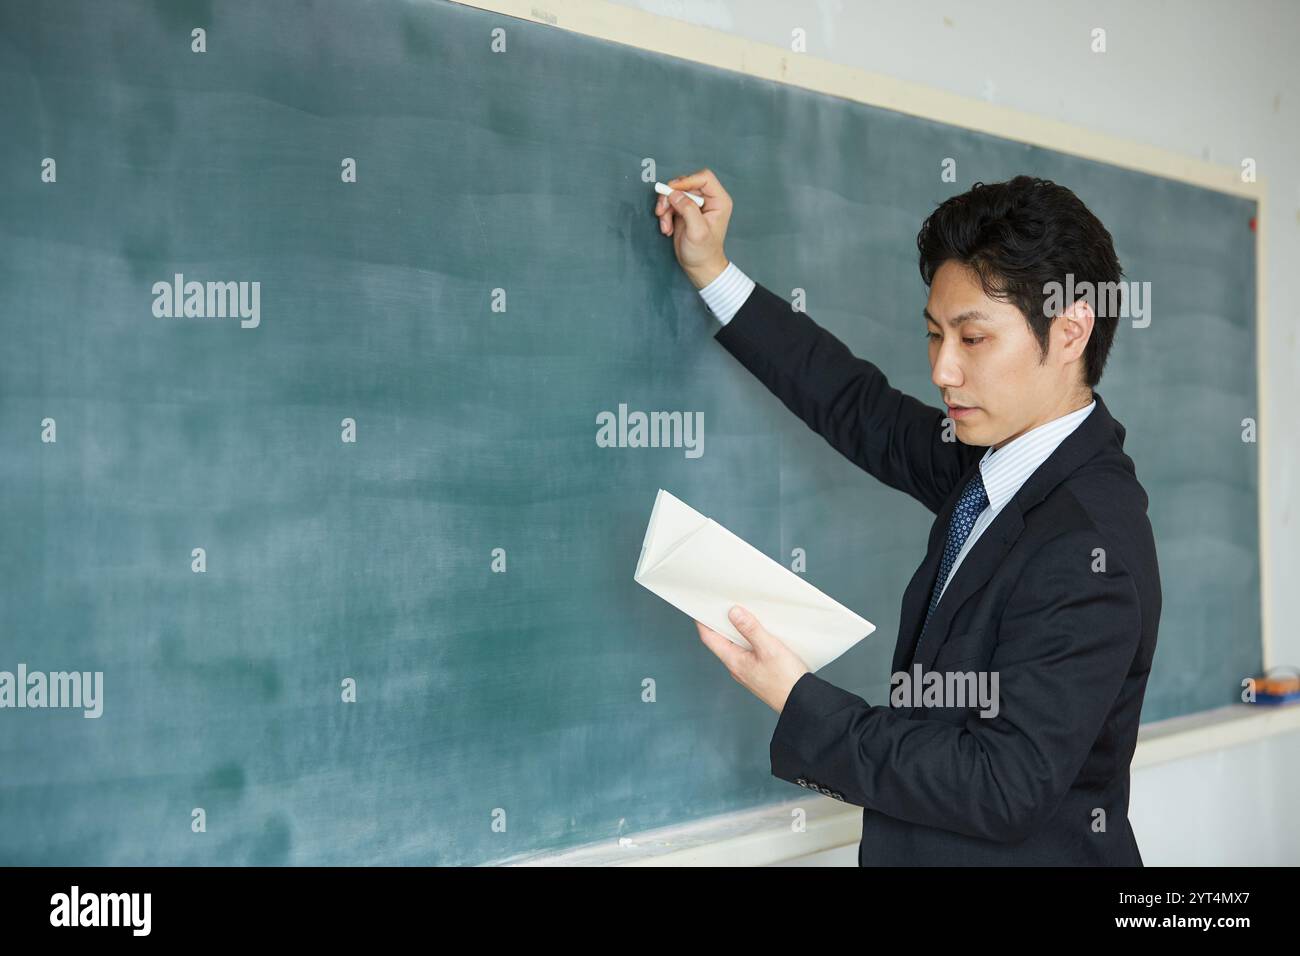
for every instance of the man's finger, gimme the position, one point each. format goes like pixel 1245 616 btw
pixel 664 212
pixel 705 184
pixel 701 181
pixel 726 650
pixel 693 217
pixel 749 627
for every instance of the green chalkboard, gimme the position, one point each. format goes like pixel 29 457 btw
pixel 490 284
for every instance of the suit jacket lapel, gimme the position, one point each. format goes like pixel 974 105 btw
pixel 984 557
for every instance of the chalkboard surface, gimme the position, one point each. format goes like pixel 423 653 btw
pixel 362 450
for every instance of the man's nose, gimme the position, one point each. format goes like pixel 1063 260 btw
pixel 946 373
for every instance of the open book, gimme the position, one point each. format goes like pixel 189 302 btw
pixel 701 568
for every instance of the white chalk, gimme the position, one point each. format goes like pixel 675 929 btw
pixel 663 190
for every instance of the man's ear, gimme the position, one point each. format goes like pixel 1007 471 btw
pixel 1074 326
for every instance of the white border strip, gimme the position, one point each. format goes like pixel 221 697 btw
pixel 687 41
pixel 1262 437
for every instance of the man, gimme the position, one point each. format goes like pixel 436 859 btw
pixel 1040 574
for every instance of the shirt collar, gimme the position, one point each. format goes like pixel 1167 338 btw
pixel 1003 473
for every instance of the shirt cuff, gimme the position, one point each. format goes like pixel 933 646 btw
pixel 727 293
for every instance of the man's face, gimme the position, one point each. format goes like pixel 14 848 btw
pixel 990 362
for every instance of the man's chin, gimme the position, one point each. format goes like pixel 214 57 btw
pixel 968 435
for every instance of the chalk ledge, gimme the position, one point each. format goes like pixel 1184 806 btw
pixel 766 836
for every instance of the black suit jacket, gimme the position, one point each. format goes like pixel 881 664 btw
pixel 1046 780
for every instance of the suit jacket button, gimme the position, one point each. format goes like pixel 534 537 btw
pixel 801 781
pixel 837 795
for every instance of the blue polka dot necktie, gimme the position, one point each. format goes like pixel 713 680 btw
pixel 973 500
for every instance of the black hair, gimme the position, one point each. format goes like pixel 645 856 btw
pixel 1020 235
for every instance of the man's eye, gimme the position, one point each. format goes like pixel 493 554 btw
pixel 931 336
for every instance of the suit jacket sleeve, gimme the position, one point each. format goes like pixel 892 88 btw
pixel 1065 643
pixel 847 400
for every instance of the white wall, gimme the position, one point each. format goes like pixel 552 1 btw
pixel 1217 81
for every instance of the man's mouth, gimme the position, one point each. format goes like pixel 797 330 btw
pixel 961 411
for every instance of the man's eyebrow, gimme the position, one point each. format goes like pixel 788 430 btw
pixel 972 315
